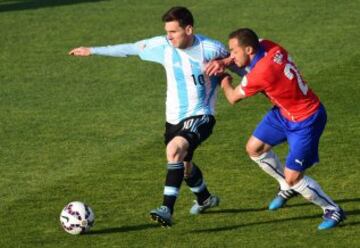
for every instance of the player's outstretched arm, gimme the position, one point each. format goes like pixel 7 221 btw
pixel 80 51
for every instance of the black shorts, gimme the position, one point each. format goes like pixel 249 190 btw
pixel 195 130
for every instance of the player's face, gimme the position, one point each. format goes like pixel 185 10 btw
pixel 178 36
pixel 240 54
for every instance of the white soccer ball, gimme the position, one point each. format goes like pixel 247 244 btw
pixel 76 218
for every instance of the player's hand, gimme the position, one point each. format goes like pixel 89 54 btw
pixel 80 51
pixel 226 79
pixel 215 67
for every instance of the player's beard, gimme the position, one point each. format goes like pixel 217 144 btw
pixel 186 42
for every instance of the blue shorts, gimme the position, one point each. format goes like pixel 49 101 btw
pixel 303 137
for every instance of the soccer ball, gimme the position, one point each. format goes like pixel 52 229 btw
pixel 76 218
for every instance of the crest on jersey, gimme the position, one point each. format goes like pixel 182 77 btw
pixel 278 58
pixel 142 46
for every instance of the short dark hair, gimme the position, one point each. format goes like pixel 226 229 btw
pixel 180 14
pixel 246 37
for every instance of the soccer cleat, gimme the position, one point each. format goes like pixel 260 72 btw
pixel 332 218
pixel 281 198
pixel 211 202
pixel 162 215
pixel 277 202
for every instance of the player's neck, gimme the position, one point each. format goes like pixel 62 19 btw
pixel 251 57
pixel 190 42
pixel 255 57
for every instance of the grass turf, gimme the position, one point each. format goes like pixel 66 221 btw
pixel 90 129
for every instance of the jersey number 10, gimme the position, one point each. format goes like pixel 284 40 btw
pixel 199 80
pixel 289 71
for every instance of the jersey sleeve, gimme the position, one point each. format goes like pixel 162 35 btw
pixel 121 50
pixel 267 45
pixel 152 49
pixel 214 50
pixel 252 84
pixel 149 49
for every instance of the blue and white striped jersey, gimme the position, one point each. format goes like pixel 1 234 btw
pixel 189 91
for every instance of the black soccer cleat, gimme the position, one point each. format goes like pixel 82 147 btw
pixel 161 215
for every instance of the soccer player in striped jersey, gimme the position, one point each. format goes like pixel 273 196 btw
pixel 190 101
pixel 297 117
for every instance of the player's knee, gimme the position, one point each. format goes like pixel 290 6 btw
pixel 292 177
pixel 291 181
pixel 174 152
pixel 171 152
pixel 253 151
pixel 256 147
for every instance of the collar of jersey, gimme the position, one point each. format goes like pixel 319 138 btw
pixel 259 55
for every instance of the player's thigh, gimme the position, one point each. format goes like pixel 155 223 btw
pixel 303 148
pixel 196 130
pixel 270 130
pixel 304 142
pixel 171 130
pixel 177 147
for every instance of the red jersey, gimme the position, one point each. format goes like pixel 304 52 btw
pixel 277 77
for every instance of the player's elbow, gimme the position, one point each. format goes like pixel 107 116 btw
pixel 233 99
pixel 232 102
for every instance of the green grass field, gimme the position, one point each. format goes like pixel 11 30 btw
pixel 90 129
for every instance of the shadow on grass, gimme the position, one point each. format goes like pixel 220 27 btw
pixel 349 214
pixel 338 201
pixel 351 224
pixel 235 210
pixel 232 227
pixel 227 228
pixel 37 4
pixel 244 210
pixel 122 229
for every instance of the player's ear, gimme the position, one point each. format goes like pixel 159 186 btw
pixel 189 30
pixel 249 50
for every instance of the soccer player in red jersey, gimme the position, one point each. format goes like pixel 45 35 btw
pixel 297 117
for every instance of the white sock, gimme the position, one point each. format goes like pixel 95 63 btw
pixel 270 163
pixel 312 191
